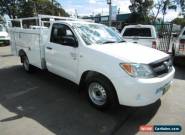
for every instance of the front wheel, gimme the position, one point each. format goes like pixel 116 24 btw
pixel 101 93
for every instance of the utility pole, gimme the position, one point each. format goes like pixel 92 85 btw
pixel 35 9
pixel 76 14
pixel 118 11
pixel 109 2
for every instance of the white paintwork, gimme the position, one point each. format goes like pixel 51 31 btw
pixel 4 36
pixel 136 56
pixel 29 41
pixel 59 60
pixel 176 44
pixel 72 62
pixel 146 41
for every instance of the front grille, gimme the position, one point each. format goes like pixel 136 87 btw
pixel 161 67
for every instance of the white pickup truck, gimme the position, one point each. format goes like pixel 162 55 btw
pixel 141 34
pixel 178 48
pixel 96 58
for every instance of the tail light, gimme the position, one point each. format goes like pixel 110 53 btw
pixel 154 44
pixel 182 45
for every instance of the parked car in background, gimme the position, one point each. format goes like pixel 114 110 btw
pixel 97 59
pixel 141 34
pixel 178 49
pixel 4 36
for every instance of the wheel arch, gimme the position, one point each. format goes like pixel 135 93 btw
pixel 21 53
pixel 90 73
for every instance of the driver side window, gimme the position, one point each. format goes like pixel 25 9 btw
pixel 62 34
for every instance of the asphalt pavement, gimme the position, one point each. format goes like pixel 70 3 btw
pixel 42 103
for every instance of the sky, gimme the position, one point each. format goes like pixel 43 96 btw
pixel 89 7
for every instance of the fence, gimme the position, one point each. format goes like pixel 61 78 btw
pixel 166 38
pixel 165 32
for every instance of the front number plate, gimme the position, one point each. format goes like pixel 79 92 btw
pixel 163 89
pixel 166 88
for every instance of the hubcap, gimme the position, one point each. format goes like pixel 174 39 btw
pixel 26 64
pixel 97 93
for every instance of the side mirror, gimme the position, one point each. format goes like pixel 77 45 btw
pixel 70 41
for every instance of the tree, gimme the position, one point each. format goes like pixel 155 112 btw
pixel 181 3
pixel 140 11
pixel 28 8
pixel 179 21
pixel 162 6
pixel 5 6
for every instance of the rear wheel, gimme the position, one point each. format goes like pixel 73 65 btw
pixel 101 93
pixel 26 64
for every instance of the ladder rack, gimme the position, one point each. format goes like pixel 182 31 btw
pixel 41 19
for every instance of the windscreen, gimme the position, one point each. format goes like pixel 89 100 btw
pixel 183 33
pixel 98 34
pixel 140 32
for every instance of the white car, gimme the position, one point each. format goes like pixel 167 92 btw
pixel 4 36
pixel 178 49
pixel 141 34
pixel 97 59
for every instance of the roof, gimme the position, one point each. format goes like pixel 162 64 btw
pixel 139 26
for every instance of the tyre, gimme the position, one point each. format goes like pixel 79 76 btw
pixel 101 93
pixel 174 58
pixel 26 64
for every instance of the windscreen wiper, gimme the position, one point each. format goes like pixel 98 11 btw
pixel 122 41
pixel 107 42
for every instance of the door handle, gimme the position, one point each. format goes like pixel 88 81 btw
pixel 49 48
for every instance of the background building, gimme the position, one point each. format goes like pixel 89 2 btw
pixel 119 23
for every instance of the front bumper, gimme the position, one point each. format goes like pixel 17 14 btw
pixel 142 92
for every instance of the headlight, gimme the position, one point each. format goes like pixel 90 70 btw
pixel 138 70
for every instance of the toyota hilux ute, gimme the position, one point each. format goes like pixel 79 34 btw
pixel 145 35
pixel 96 58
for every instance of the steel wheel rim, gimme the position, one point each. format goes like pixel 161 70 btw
pixel 97 93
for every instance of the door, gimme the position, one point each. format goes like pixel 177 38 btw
pixel 62 52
